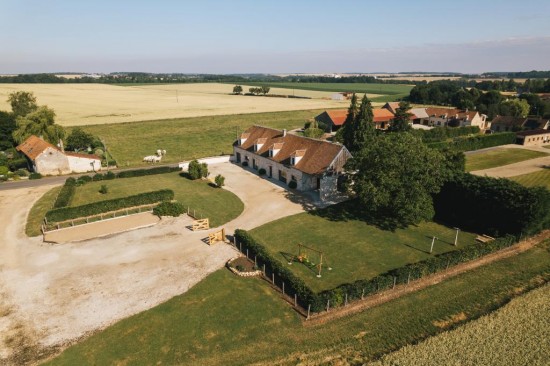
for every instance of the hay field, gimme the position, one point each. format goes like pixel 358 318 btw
pixel 89 104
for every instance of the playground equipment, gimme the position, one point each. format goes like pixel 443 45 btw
pixel 216 237
pixel 202 224
pixel 304 256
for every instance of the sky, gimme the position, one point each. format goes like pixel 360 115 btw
pixel 278 36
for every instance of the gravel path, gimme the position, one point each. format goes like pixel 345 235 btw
pixel 522 167
pixel 51 295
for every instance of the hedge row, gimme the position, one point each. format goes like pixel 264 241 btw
pixel 476 142
pixel 437 134
pixel 143 172
pixel 67 213
pixel 357 289
pixel 167 208
pixel 493 206
pixel 66 194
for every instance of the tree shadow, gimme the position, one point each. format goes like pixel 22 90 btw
pixel 185 175
pixel 415 248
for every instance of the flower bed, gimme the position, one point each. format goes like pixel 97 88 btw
pixel 243 267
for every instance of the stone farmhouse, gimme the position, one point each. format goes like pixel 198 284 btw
pixel 314 165
pixel 48 159
pixel 334 119
pixel 448 117
pixel 509 123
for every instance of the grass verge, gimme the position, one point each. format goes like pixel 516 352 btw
pixel 187 138
pixel 38 212
pixel 536 179
pixel 499 157
pixel 231 320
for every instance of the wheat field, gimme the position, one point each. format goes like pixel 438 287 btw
pixel 90 104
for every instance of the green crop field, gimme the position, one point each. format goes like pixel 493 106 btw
pixel 499 157
pixel 231 320
pixel 536 179
pixel 510 336
pixel 219 205
pixel 385 89
pixel 187 138
pixel 353 249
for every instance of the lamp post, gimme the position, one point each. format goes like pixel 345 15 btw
pixel 456 237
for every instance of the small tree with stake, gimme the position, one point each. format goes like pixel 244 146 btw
pixel 220 180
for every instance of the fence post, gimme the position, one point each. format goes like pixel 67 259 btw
pixel 273 278
pixel 328 304
pixel 362 294
pixel 234 241
pixel 283 288
pixel 264 270
pixel 409 278
pixel 246 253
pixel 308 310
pixel 240 247
pixel 346 300
pixel 394 281
pixel 295 300
pixel 255 263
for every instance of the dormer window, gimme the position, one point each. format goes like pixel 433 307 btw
pixel 243 138
pixel 275 148
pixel 259 143
pixel 297 156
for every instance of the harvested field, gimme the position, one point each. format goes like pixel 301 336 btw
pixel 510 336
pixel 88 104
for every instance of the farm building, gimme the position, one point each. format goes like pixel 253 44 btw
pixel 334 119
pixel 509 123
pixel 443 117
pixel 533 137
pixel 48 159
pixel 418 114
pixel 314 165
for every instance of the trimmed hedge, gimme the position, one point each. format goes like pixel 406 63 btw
pixel 66 194
pixel 169 209
pixel 143 172
pixel 438 134
pixel 493 206
pixel 476 142
pixel 35 176
pixel 354 290
pixel 95 208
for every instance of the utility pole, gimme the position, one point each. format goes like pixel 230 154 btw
pixel 432 247
pixel 177 98
pixel 456 237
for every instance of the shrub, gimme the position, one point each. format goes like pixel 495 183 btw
pixel 104 189
pixel 66 193
pixel 85 178
pixel 67 213
pixel 239 268
pixel 169 209
pixel 245 163
pixel 220 180
pixel 109 175
pixel 21 172
pixel 97 177
pixel 144 172
pixel 262 171
pixel 315 133
pixel 35 176
pixel 198 170
pixel 4 170
pixel 292 184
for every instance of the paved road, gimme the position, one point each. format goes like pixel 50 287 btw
pixel 57 180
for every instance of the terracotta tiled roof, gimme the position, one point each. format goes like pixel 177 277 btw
pixel 316 159
pixel 508 121
pixel 79 155
pixel 338 117
pixel 438 112
pixel 34 146
pixel 382 115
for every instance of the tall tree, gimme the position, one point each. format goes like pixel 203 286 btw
pixel 395 178
pixel 22 103
pixel 349 124
pixel 364 133
pixel 40 123
pixel 515 107
pixel 401 120
pixel 237 89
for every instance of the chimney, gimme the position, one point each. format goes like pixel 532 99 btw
pixel 284 132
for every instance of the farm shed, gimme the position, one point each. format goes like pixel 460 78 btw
pixel 48 159
pixel 313 165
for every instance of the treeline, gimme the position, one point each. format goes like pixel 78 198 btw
pixel 491 103
pixel 518 75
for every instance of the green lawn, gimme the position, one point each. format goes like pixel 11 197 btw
pixel 352 248
pixel 499 157
pixel 230 320
pixel 38 212
pixel 219 205
pixel 387 89
pixel 540 178
pixel 187 138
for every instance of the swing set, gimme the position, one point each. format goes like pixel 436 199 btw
pixel 305 257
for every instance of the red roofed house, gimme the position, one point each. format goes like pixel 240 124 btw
pixel 334 119
pixel 312 164
pixel 48 159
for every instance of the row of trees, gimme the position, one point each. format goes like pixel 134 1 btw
pixel 491 102
pixel 237 89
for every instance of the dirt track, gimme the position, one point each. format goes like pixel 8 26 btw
pixel 522 167
pixel 50 295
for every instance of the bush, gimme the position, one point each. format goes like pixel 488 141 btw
pixel 197 170
pixel 315 133
pixel 21 172
pixel 104 189
pixel 239 268
pixel 262 171
pixel 4 170
pixel 66 193
pixel 144 172
pixel 245 163
pixel 292 184
pixel 95 208
pixel 169 209
pixel 85 179
pixel 35 176
pixel 97 177
pixel 493 206
pixel 220 180
pixel 109 175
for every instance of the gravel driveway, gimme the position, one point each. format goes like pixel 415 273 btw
pixel 51 295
